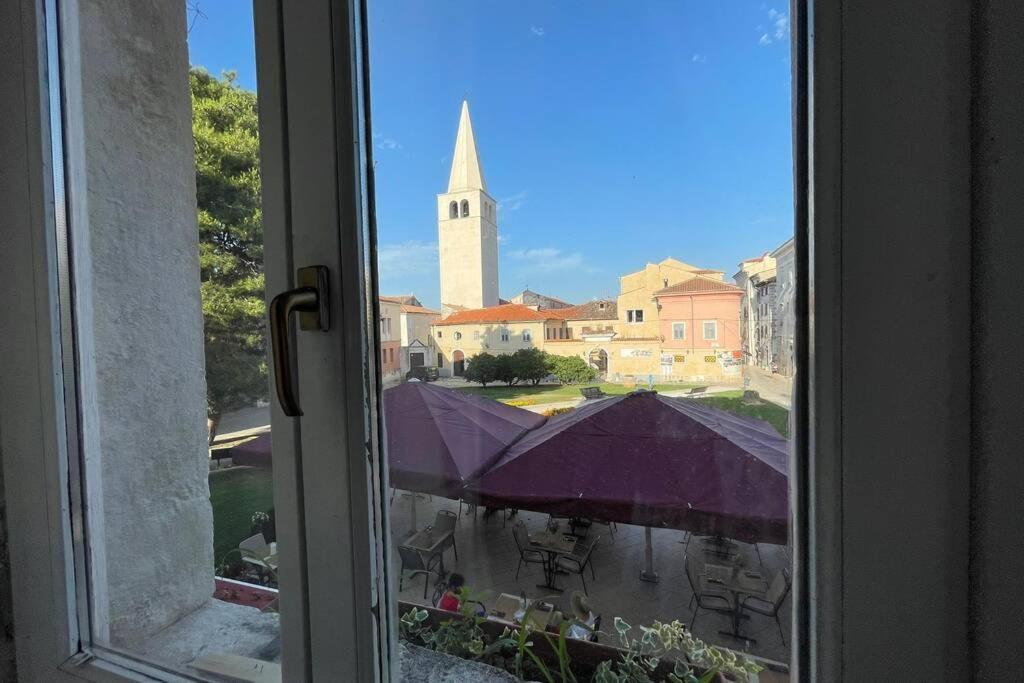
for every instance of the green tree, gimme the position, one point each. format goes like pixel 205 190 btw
pixel 571 369
pixel 224 127
pixel 506 369
pixel 530 365
pixel 481 368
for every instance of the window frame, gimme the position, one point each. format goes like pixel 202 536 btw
pixel 681 326
pixel 836 580
pixel 631 316
pixel 704 330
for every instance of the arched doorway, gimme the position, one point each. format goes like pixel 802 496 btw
pixel 599 361
pixel 458 363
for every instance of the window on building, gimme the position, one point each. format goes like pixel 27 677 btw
pixel 458 336
pixel 710 330
pixel 476 334
pixel 504 335
pixel 439 334
pixel 453 210
pixel 526 335
pixel 679 331
pixel 465 208
pixel 635 315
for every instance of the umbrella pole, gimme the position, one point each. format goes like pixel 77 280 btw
pixel 648 574
pixel 412 513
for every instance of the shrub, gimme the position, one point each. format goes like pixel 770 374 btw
pixel 571 369
pixel 481 368
pixel 530 365
pixel 551 412
pixel 505 370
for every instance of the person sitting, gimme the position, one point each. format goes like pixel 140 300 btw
pixel 451 600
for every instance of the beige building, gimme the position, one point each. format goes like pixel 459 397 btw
pixel 497 330
pixel 467 222
pixel 405 324
pixel 528 298
pixel 753 278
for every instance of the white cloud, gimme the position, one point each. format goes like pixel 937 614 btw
pixel 503 238
pixel 778 29
pixel 698 58
pixel 537 31
pixel 512 203
pixel 407 258
pixel 548 259
pixel 384 142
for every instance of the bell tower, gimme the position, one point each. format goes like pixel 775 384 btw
pixel 467 225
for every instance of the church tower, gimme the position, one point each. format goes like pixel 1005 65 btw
pixel 467 223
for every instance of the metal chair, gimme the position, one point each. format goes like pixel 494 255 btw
pixel 526 554
pixel 713 601
pixel 772 601
pixel 412 561
pixel 444 523
pixel 578 562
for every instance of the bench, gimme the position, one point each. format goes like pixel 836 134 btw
pixel 696 391
pixel 592 392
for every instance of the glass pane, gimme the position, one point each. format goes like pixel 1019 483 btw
pixel 588 417
pixel 168 266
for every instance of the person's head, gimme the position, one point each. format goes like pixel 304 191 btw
pixel 455 582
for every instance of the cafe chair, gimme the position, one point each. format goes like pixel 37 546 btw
pixel 444 523
pixel 413 562
pixel 578 563
pixel 526 554
pixel 709 600
pixel 772 601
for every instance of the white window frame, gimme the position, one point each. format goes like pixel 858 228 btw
pixel 527 336
pixel 681 327
pixel 631 316
pixel 704 330
pixel 844 503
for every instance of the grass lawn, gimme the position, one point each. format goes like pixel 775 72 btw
pixel 556 393
pixel 730 402
pixel 235 494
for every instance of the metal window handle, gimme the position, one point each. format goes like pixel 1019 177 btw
pixel 311 300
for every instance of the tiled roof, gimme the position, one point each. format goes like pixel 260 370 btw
pixel 419 309
pixel 496 314
pixel 589 311
pixel 698 285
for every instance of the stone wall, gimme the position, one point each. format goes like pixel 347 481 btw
pixel 141 336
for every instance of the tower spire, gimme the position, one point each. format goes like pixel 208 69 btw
pixel 466 172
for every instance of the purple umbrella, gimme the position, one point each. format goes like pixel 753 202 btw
pixel 440 439
pixel 653 461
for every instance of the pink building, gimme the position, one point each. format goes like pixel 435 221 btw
pixel 700 314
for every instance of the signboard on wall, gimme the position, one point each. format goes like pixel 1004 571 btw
pixel 666 359
pixel 710 359
pixel 637 353
pixel 679 359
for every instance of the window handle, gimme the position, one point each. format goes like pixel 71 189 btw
pixel 311 300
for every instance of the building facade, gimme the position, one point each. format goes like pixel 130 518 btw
pixel 700 329
pixel 784 315
pixel 467 226
pixel 390 338
pixel 751 278
pixel 407 324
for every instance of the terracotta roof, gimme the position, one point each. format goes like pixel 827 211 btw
pixel 698 285
pixel 419 309
pixel 495 314
pixel 589 311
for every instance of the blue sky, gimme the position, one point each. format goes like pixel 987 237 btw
pixel 611 133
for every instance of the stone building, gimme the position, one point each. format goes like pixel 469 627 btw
pixel 756 278
pixel 467 222
pixel 784 315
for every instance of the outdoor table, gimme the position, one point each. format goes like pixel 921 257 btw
pixel 552 544
pixel 738 582
pixel 507 607
pixel 429 542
